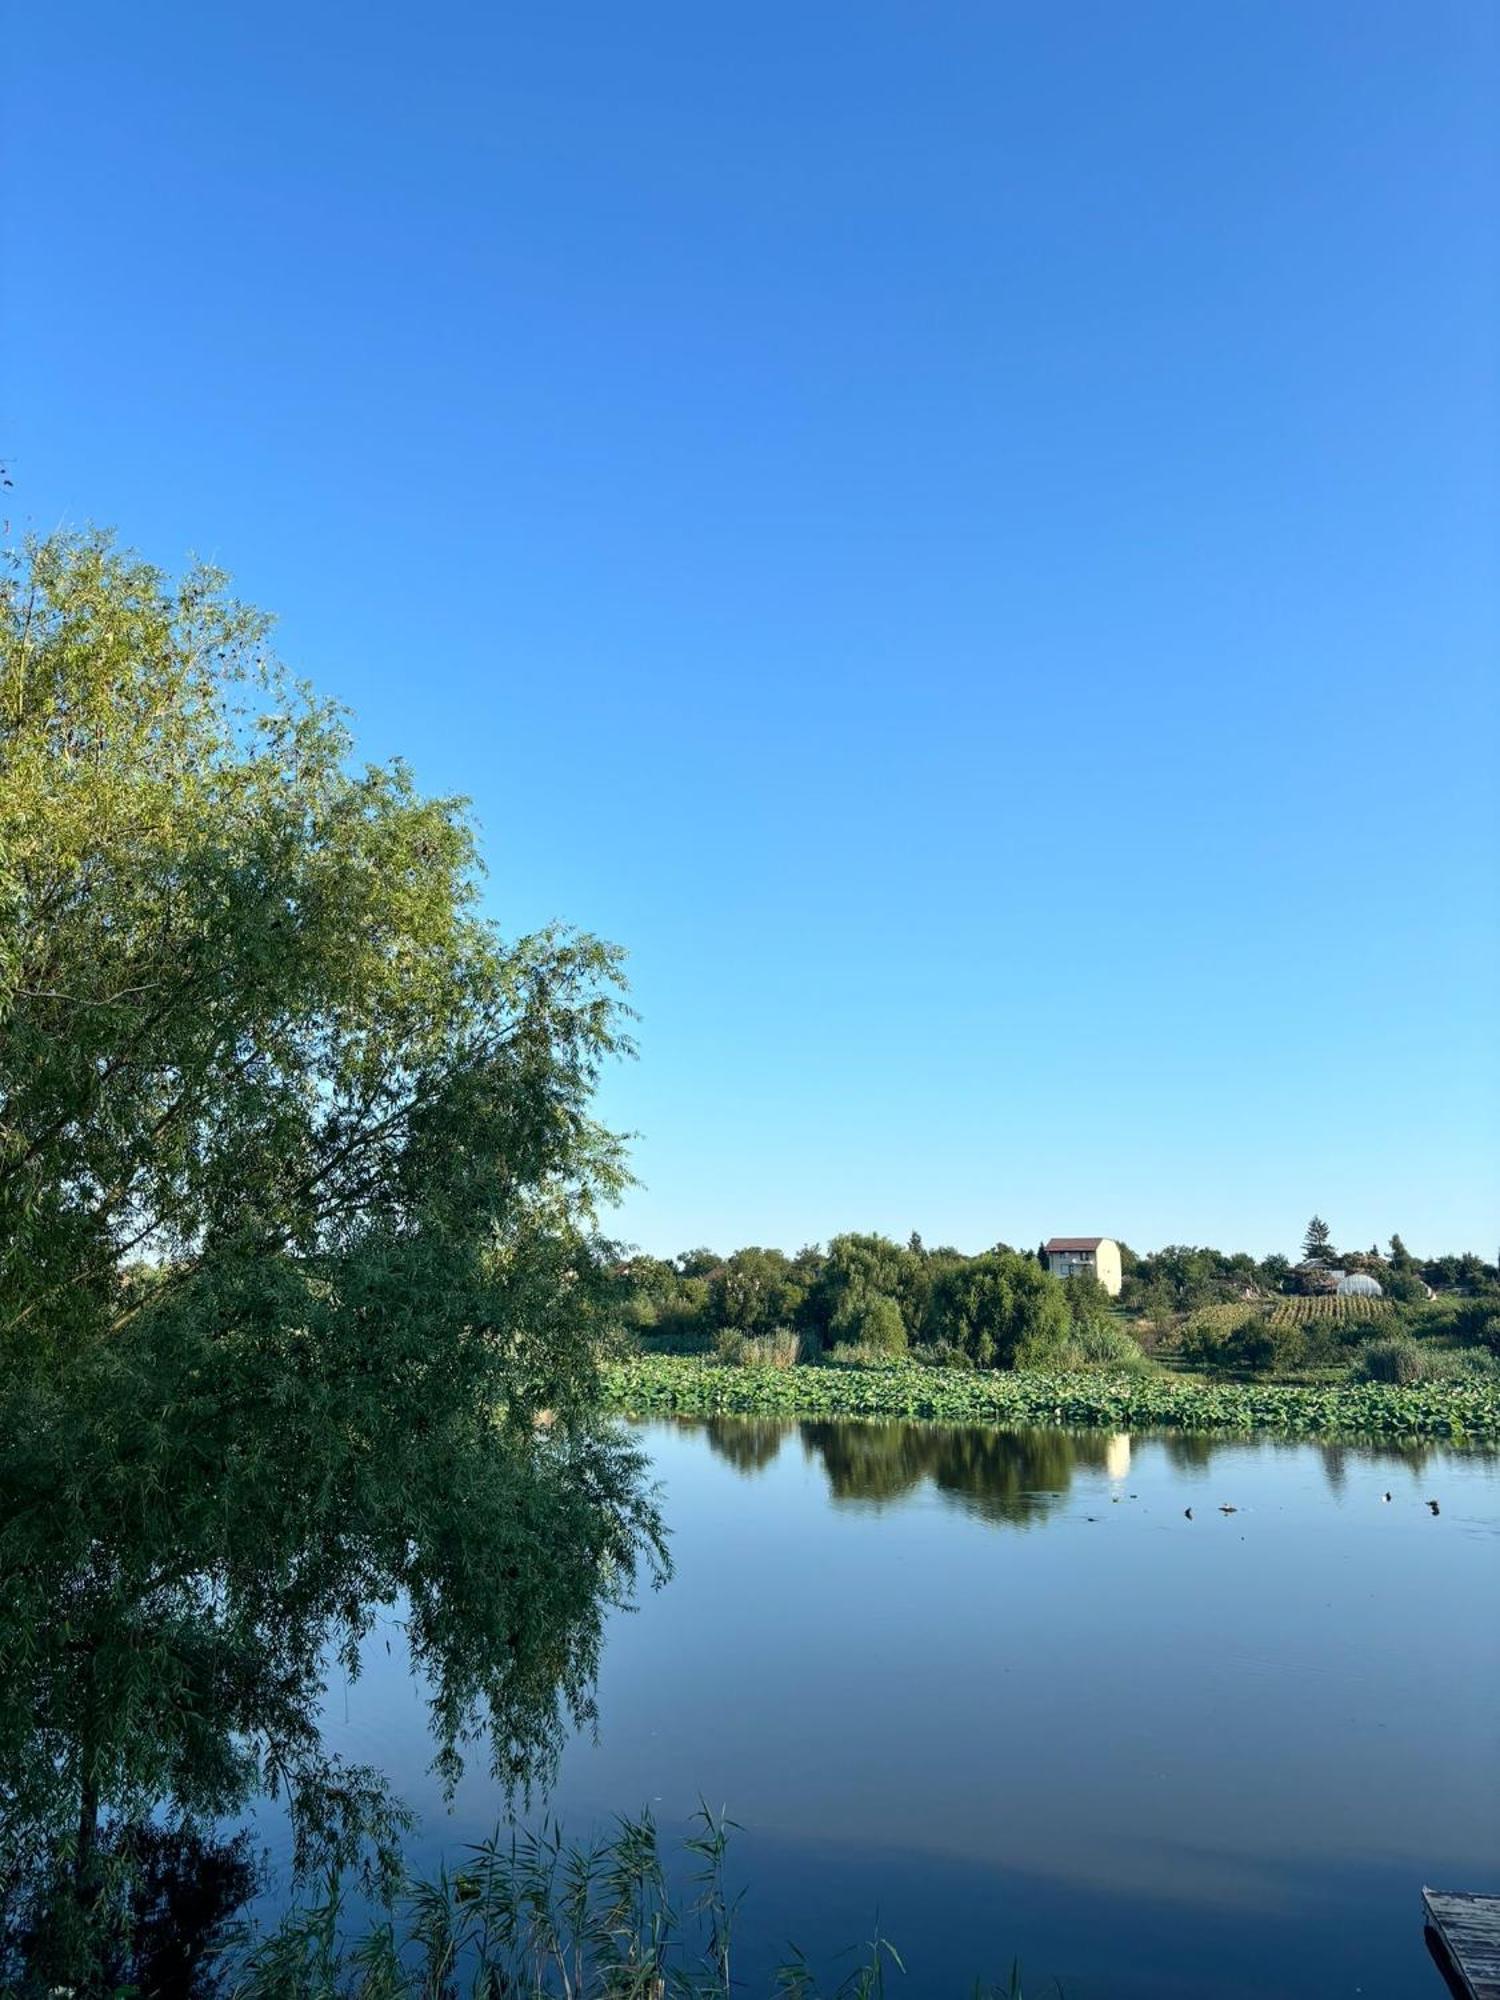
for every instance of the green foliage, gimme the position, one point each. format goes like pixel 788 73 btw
pixel 1318 1242
pixel 251 1026
pixel 1264 1344
pixel 1105 1344
pixel 1397 1359
pixel 1002 1310
pixel 1461 1319
pixel 1403 1285
pixel 1089 1305
pixel 1134 1401
pixel 754 1291
pixel 1181 1298
pixel 1467 1273
pixel 300 1293
pixel 868 1319
pixel 859 1271
pixel 1182 1277
pixel 658 1300
pixel 1204 1333
pixel 781 1348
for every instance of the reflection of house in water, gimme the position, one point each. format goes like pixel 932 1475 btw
pixel 1117 1456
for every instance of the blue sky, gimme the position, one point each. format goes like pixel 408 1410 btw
pixel 963 535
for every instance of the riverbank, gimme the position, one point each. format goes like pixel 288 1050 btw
pixel 690 1386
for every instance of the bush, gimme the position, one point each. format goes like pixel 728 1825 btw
pixel 1470 1322
pixel 1263 1345
pixel 1405 1287
pixel 1092 1345
pixel 1399 1360
pixel 869 1319
pixel 1464 1364
pixel 851 1354
pixel 658 1340
pixel 998 1306
pixel 1205 1332
pixel 943 1354
pixel 781 1349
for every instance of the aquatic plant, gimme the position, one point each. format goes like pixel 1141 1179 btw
pixel 1458 1410
pixel 531 1916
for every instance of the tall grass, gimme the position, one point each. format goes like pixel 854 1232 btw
pixel 782 1348
pixel 532 1917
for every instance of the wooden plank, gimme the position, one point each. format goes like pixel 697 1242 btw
pixel 1469 1927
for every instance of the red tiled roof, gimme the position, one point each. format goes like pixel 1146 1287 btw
pixel 1074 1243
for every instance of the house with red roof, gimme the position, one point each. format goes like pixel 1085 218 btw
pixel 1086 1256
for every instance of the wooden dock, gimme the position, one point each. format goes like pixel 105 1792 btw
pixel 1468 1928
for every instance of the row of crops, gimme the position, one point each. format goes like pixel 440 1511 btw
pixel 1324 1307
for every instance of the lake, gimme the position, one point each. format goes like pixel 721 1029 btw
pixel 999 1691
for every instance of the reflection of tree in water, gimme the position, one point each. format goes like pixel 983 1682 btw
pixel 1189 1451
pixel 177 1894
pixel 1011 1476
pixel 175 1577
pixel 749 1444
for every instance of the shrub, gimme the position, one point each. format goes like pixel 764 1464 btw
pixel 999 1306
pixel 943 1354
pixel 1405 1287
pixel 1105 1344
pixel 1399 1360
pixel 1471 1322
pixel 869 1319
pixel 782 1348
pixel 1262 1345
pixel 659 1340
pixel 1205 1332
pixel 1464 1364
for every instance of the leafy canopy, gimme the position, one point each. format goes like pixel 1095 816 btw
pixel 253 1031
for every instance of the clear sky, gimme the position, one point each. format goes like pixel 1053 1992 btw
pixel 963 534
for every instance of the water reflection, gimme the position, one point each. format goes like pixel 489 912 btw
pixel 170 1613
pixel 1014 1477
pixel 750 1444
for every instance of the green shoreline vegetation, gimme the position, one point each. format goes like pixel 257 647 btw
pixel 1335 1318
pixel 687 1385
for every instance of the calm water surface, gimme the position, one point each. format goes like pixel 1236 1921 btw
pixel 999 1691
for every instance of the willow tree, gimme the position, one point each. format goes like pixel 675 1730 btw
pixel 299 1187
pixel 253 1030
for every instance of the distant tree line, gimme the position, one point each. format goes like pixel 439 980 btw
pixel 1184 1277
pixel 1001 1308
